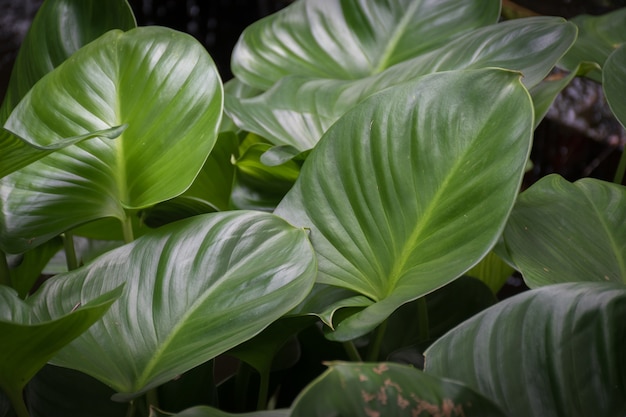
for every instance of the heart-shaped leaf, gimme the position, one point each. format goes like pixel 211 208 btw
pixel 561 232
pixel 348 39
pixel 30 338
pixel 194 289
pixel 59 29
pixel 387 389
pixel 160 82
pixel 412 187
pixel 554 351
pixel 297 110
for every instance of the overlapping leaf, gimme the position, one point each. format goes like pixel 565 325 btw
pixel 349 39
pixel 194 289
pixel 614 82
pixel 298 110
pixel 562 232
pixel 159 82
pixel 554 351
pixel 412 187
pixel 59 29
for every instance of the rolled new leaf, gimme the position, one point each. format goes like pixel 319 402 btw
pixel 194 289
pixel 554 351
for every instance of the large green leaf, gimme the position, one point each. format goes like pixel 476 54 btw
pixel 598 37
pixel 412 187
pixel 387 389
pixel 561 231
pixel 159 82
pixel 298 110
pixel 614 83
pixel 204 411
pixel 348 39
pixel 30 338
pixel 554 351
pixel 194 289
pixel 59 29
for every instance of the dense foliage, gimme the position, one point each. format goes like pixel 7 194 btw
pixel 322 235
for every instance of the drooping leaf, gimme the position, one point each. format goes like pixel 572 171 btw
pixel 387 389
pixel 562 232
pixel 614 82
pixel 159 82
pixel 598 37
pixel 554 351
pixel 59 29
pixel 349 39
pixel 30 338
pixel 298 110
pixel 31 264
pixel 411 188
pixel 194 289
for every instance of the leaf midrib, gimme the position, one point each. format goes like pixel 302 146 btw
pixel 396 36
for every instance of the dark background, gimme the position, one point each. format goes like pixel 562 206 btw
pixel 579 138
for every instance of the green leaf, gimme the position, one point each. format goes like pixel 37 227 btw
pixel 614 82
pixel 562 232
pixel 412 187
pixel 387 389
pixel 194 289
pixel 298 110
pixel 30 337
pixel 31 264
pixel 348 39
pixel 598 37
pixel 492 271
pixel 204 411
pixel 160 82
pixel 554 351
pixel 59 29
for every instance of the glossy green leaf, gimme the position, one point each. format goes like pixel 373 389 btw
pixel 258 186
pixel 598 37
pixel 29 266
pixel 160 82
pixel 412 187
pixel 59 29
pixel 349 39
pixel 297 110
pixel 194 289
pixel 209 192
pixel 387 389
pixel 554 351
pixel 561 232
pixel 30 337
pixel 614 82
pixel 204 411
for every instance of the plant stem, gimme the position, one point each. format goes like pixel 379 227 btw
pixel 621 168
pixel 16 398
pixel 353 353
pixel 127 229
pixel 5 274
pixel 264 384
pixel 422 319
pixel 152 398
pixel 242 381
pixel 130 412
pixel 374 350
pixel 70 251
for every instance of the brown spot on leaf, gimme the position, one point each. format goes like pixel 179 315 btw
pixel 403 402
pixel 381 368
pixel 382 396
pixel 389 383
pixel 372 413
pixel 367 397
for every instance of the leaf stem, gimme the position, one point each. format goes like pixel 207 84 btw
pixel 152 398
pixel 5 273
pixel 621 168
pixel 352 352
pixel 127 229
pixel 242 381
pixel 70 251
pixel 16 397
pixel 264 384
pixel 422 319
pixel 379 335
pixel 130 412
